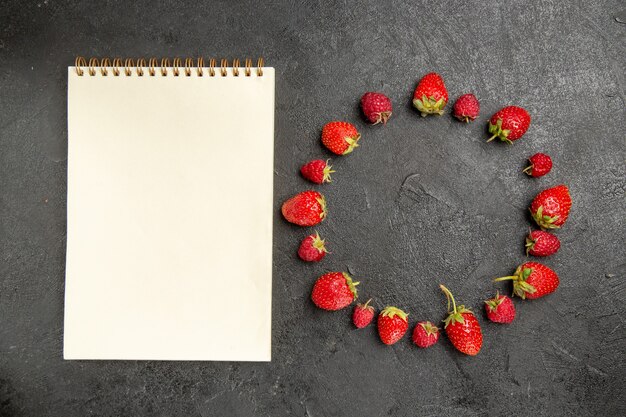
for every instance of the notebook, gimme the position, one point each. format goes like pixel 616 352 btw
pixel 169 210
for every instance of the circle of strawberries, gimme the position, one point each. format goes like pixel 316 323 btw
pixel 337 290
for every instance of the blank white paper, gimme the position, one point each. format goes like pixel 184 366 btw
pixel 169 217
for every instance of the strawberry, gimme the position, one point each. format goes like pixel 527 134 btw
pixel 363 315
pixel 533 280
pixel 551 207
pixel 340 137
pixel 466 108
pixel 305 209
pixel 334 291
pixel 500 309
pixel 317 171
pixel 462 328
pixel 392 325
pixel 376 107
pixel 540 165
pixel 431 95
pixel 425 334
pixel 541 243
pixel 509 124
pixel 312 248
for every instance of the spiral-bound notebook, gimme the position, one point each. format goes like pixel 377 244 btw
pixel 169 210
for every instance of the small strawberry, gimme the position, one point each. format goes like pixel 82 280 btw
pixel 363 315
pixel 540 165
pixel 334 291
pixel 317 171
pixel 500 309
pixel 431 95
pixel 551 207
pixel 509 124
pixel 466 108
pixel 312 248
pixel 340 137
pixel 305 209
pixel 462 328
pixel 533 280
pixel 376 107
pixel 541 243
pixel 392 325
pixel 425 334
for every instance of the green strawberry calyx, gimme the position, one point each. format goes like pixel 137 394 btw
pixel 520 286
pixel 429 328
pixel 318 243
pixel 322 202
pixel 498 132
pixel 327 171
pixel 456 315
pixel 493 303
pixel 352 142
pixel 429 105
pixel 351 284
pixel 545 221
pixel 391 312
pixel 530 244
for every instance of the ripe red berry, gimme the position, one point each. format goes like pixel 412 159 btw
pixel 312 248
pixel 363 315
pixel 462 328
pixel 509 124
pixel 376 107
pixel 551 207
pixel 340 137
pixel 542 243
pixel 540 165
pixel 334 291
pixel 307 208
pixel 392 325
pixel 317 171
pixel 466 108
pixel 425 334
pixel 532 280
pixel 500 309
pixel 431 95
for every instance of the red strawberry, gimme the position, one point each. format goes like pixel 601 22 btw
pixel 340 137
pixel 540 243
pixel 317 171
pixel 462 328
pixel 334 291
pixel 509 124
pixel 363 315
pixel 551 207
pixel 305 209
pixel 500 309
pixel 540 165
pixel 425 334
pixel 312 248
pixel 431 95
pixel 533 280
pixel 466 108
pixel 376 107
pixel 392 325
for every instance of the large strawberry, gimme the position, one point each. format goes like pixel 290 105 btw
pixel 305 209
pixel 462 328
pixel 509 124
pixel 340 137
pixel 431 95
pixel 392 325
pixel 334 291
pixel 532 280
pixel 551 207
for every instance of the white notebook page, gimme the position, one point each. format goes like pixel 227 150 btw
pixel 169 216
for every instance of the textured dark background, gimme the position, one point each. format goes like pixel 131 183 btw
pixel 422 201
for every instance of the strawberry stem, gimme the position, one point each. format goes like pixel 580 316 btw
pixel 449 296
pixel 367 303
pixel 492 138
pixel 512 277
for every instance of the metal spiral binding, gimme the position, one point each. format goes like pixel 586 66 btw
pixel 176 67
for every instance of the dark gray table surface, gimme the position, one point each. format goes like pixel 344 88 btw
pixel 421 202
